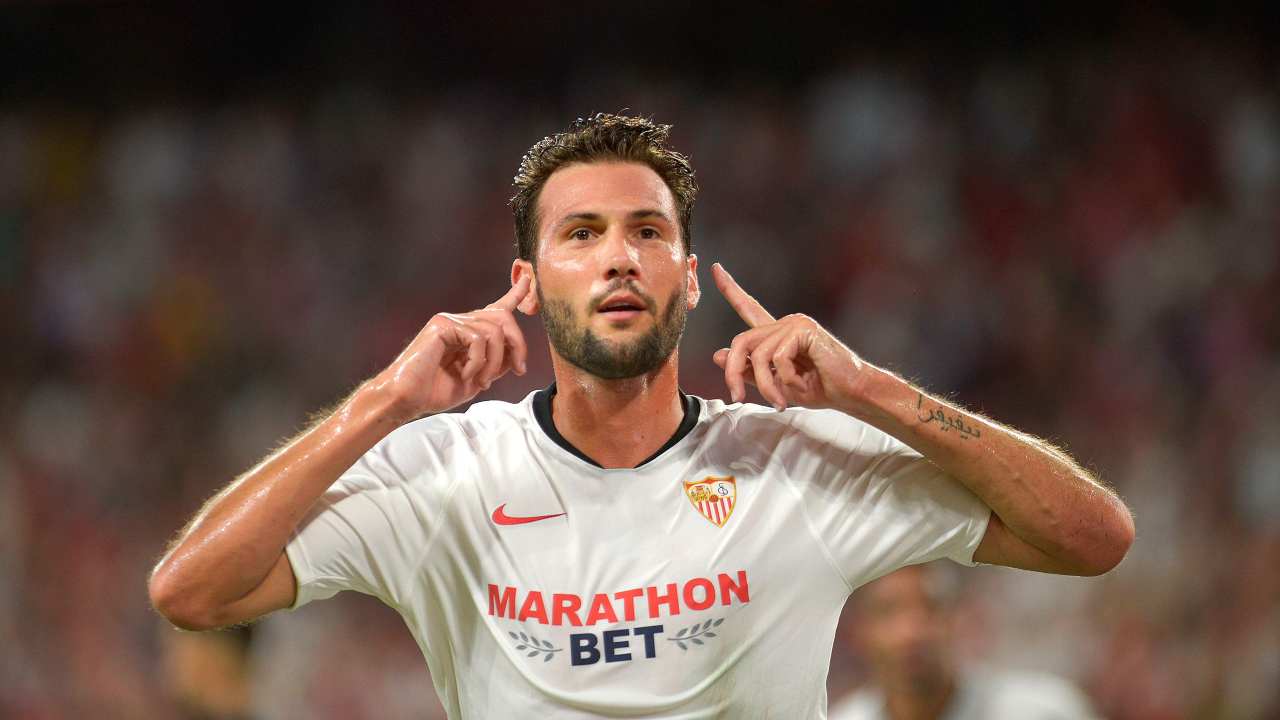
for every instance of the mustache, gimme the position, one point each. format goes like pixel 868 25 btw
pixel 649 303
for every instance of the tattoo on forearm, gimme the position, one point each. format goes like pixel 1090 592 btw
pixel 946 423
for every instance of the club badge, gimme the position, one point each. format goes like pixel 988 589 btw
pixel 713 497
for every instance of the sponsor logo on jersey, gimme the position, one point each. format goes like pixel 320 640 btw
pixel 713 497
pixel 712 599
pixel 501 517
pixel 638 603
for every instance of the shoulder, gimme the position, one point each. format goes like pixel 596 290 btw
pixel 763 424
pixel 480 418
pixel 446 435
pixel 490 416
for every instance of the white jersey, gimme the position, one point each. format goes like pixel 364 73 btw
pixel 704 583
pixel 988 695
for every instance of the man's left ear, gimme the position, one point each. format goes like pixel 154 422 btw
pixel 694 293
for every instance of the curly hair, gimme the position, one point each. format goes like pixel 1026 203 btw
pixel 602 137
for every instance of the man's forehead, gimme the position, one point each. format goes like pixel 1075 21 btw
pixel 603 188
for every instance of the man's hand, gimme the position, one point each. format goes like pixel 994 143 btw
pixel 456 356
pixel 792 361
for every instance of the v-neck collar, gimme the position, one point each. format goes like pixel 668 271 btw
pixel 542 413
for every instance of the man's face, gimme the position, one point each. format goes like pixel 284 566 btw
pixel 905 629
pixel 613 282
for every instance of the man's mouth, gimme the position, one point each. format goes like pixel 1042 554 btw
pixel 622 306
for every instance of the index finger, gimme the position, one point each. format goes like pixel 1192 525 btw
pixel 513 297
pixel 747 307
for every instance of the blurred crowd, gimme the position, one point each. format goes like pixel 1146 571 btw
pixel 1085 245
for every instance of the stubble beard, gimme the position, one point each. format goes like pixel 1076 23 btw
pixel 583 348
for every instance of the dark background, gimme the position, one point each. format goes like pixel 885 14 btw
pixel 214 221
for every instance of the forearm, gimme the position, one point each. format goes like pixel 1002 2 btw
pixel 227 549
pixel 1039 493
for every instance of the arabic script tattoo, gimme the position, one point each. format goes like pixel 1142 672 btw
pixel 945 422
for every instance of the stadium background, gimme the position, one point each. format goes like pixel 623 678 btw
pixel 214 221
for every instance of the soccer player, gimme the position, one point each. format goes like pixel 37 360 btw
pixel 903 623
pixel 610 546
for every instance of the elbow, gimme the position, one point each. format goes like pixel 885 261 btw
pixel 1113 544
pixel 178 607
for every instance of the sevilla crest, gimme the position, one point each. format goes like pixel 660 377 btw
pixel 713 497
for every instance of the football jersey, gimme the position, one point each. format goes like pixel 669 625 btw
pixel 706 582
pixel 988 695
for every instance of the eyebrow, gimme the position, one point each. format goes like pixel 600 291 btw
pixel 596 217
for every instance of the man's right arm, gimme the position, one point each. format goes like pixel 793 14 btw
pixel 228 564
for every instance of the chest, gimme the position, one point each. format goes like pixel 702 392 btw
pixel 562 527
pixel 586 578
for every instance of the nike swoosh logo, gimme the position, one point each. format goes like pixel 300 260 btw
pixel 502 518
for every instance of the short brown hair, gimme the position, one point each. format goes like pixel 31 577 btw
pixel 603 137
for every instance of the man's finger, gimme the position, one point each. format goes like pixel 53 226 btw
pixel 514 338
pixel 513 297
pixel 762 364
pixel 494 352
pixel 746 306
pixel 786 367
pixel 735 367
pixel 721 357
pixel 475 351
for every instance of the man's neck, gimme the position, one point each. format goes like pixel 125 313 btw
pixel 617 423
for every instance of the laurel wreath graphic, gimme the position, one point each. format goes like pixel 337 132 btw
pixel 695 633
pixel 534 645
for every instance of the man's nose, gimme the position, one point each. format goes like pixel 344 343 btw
pixel 621 258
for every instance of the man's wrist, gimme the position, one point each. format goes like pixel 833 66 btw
pixel 377 404
pixel 871 393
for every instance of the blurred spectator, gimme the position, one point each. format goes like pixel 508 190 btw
pixel 209 674
pixel 903 624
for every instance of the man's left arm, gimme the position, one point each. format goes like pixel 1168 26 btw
pixel 1049 514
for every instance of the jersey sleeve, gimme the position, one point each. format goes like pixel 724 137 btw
pixel 875 503
pixel 371 529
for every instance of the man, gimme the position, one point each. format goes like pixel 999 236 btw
pixel 611 546
pixel 902 624
pixel 208 674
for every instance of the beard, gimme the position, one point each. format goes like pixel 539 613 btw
pixel 583 348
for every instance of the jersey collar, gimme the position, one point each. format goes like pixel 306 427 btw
pixel 542 413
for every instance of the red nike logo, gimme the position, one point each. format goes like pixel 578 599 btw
pixel 502 518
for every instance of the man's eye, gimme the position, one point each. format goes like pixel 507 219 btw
pixel 581 234
pixel 649 233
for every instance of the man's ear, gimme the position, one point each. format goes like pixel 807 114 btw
pixel 529 305
pixel 693 292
